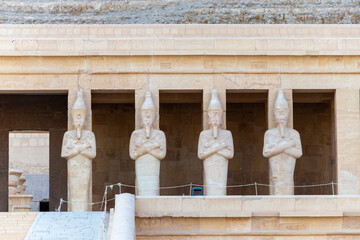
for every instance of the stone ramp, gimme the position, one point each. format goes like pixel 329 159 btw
pixel 67 226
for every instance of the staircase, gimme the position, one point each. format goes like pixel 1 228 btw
pixel 67 226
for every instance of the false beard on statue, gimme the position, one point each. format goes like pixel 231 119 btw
pixel 282 122
pixel 215 131
pixel 147 131
pixel 282 130
pixel 78 133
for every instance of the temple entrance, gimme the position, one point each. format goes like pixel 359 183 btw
pixel 35 112
pixel 29 170
pixel 181 121
pixel 246 118
pixel 113 121
pixel 314 120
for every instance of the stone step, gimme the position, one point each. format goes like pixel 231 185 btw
pixel 67 226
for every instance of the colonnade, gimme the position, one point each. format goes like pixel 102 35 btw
pixel 282 144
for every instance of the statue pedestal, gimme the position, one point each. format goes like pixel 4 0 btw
pixel 19 203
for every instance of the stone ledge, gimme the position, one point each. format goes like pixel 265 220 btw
pixel 140 40
pixel 91 31
pixel 206 46
pixel 256 233
pixel 323 213
pixel 248 206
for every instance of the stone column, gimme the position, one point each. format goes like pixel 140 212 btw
pixel 347 120
pixel 72 93
pixel 272 94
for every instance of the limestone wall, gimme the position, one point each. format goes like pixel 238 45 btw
pixel 255 218
pixel 176 11
pixel 259 58
pixel 14 225
pixel 29 152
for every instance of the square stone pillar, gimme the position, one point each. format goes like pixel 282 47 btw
pixel 205 104
pixel 347 120
pixel 272 94
pixel 139 100
pixel 72 94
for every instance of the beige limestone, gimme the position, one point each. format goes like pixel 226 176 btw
pixel 14 179
pixel 29 151
pixel 79 148
pixel 20 203
pixel 253 217
pixel 252 58
pixel 147 147
pixel 21 187
pixel 282 146
pixel 215 148
pixel 348 120
pixel 14 225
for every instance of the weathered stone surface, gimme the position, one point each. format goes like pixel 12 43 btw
pixel 216 148
pixel 175 11
pixel 79 148
pixel 147 147
pixel 65 225
pixel 282 146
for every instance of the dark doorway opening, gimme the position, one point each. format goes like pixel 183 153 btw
pixel 181 121
pixel 44 206
pixel 113 121
pixel 246 118
pixel 314 119
pixel 39 112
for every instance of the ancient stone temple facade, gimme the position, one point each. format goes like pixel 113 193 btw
pixel 174 107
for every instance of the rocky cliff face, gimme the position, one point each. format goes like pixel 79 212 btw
pixel 176 11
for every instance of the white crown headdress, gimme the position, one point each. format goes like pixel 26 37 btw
pixel 148 102
pixel 281 102
pixel 214 102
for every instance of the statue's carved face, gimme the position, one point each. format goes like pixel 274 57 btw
pixel 79 121
pixel 215 118
pixel 281 116
pixel 147 117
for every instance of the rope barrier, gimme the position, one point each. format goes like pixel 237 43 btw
pixel 231 186
pixel 191 185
